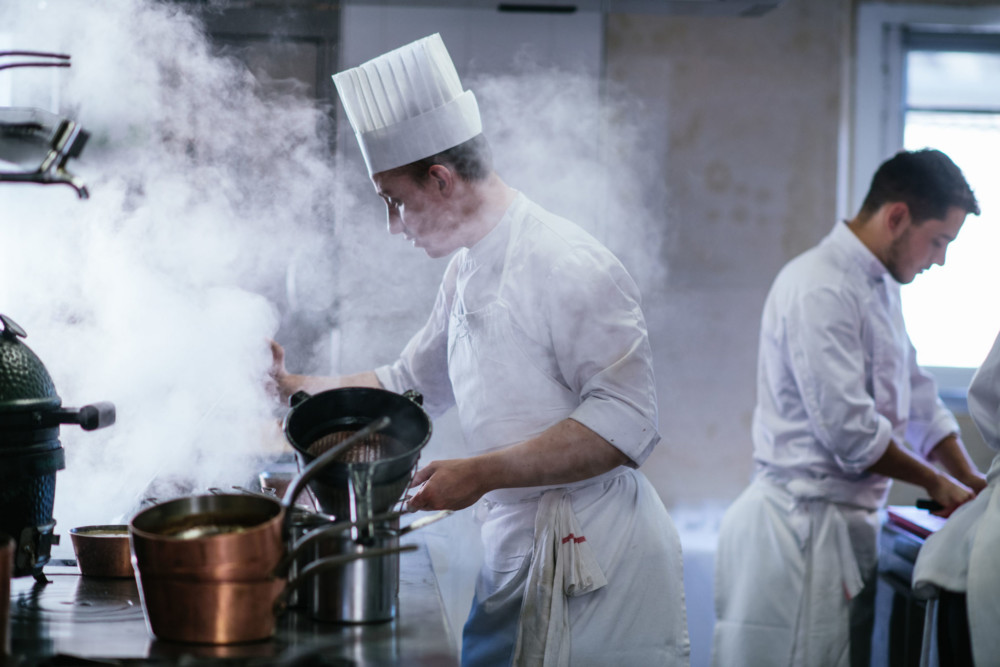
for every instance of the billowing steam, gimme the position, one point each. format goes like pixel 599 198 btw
pixel 212 211
pixel 159 293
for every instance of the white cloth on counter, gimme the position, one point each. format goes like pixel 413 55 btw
pixel 837 380
pixel 563 566
pixel 788 566
pixel 963 556
pixel 537 323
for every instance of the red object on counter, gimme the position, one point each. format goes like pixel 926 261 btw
pixel 919 522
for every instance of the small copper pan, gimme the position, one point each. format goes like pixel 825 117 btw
pixel 102 551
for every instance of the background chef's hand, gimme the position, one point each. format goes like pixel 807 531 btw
pixel 452 484
pixel 949 492
pixel 954 459
pixel 975 480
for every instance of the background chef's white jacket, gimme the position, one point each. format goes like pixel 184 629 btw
pixel 837 380
pixel 597 347
pixel 837 373
pixel 963 556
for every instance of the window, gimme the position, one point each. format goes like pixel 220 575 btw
pixel 930 76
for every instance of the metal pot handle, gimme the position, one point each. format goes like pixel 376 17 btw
pixel 314 468
pixel 330 563
pixel 414 396
pixel 298 397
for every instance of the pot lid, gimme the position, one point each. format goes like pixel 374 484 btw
pixel 25 384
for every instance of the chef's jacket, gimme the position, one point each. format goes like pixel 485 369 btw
pixel 962 556
pixel 576 317
pixel 536 323
pixel 837 375
pixel 837 380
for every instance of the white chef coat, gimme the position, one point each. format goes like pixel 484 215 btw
pixel 837 380
pixel 536 323
pixel 962 556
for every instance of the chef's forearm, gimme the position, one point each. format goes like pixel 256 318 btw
pixel 951 454
pixel 899 463
pixel 566 452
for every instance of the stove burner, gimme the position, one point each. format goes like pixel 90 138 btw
pixel 89 601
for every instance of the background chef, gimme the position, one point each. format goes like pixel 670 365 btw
pixel 538 338
pixel 839 392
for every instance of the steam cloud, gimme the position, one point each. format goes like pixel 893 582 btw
pixel 158 293
pixel 212 208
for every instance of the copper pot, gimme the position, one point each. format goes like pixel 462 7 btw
pixel 209 538
pixel 210 612
pixel 102 551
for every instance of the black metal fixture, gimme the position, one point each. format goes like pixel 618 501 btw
pixel 30 453
pixel 37 144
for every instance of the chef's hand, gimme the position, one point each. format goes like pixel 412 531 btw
pixel 451 484
pixel 950 454
pixel 949 492
pixel 975 480
pixel 280 378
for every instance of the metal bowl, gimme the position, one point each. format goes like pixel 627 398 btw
pixel 102 551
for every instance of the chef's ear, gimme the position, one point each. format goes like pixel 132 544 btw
pixel 897 217
pixel 442 178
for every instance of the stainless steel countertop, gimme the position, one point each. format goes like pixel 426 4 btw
pixel 77 620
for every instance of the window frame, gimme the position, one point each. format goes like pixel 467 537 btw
pixel 884 33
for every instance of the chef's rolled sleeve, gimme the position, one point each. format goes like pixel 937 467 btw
pixel 602 351
pixel 620 424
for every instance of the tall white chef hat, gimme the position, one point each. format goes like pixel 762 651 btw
pixel 408 104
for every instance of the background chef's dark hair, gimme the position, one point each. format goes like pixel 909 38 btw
pixel 926 180
pixel 472 160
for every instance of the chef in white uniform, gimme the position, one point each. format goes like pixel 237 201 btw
pixel 962 556
pixel 538 338
pixel 839 398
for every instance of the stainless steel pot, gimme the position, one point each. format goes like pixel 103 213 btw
pixel 365 590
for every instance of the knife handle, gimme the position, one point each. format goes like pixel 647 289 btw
pixel 929 505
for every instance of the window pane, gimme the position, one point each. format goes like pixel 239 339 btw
pixel 953 312
pixel 953 80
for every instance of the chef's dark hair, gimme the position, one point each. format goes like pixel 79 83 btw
pixel 472 160
pixel 927 181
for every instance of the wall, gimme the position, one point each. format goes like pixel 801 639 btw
pixel 752 109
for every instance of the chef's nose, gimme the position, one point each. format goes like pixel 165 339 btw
pixel 394 222
pixel 939 256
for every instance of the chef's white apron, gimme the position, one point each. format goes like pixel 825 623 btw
pixel 790 571
pixel 639 617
